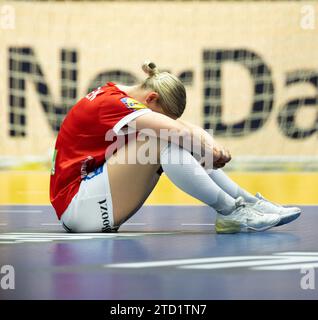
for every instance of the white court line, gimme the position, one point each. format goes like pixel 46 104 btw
pixel 80 235
pixel 197 224
pixel 51 224
pixel 297 253
pixel 135 223
pixel 174 205
pixel 19 211
pixel 16 205
pixel 223 265
pixel 180 262
pixel 288 267
pixel 3 224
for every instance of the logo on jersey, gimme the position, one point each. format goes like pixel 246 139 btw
pixel 132 104
pixel 92 95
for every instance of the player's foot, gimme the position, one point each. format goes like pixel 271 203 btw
pixel 287 214
pixel 245 218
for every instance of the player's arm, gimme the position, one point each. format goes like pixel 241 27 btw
pixel 224 154
pixel 157 122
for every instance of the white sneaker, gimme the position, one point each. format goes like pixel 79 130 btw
pixel 245 218
pixel 287 214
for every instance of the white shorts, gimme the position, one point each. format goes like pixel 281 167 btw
pixel 91 208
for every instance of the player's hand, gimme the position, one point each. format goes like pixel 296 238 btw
pixel 221 156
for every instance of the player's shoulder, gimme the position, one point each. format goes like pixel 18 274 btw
pixel 110 95
pixel 122 99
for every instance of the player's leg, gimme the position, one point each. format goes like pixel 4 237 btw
pixel 130 187
pixel 132 183
pixel 233 215
pixel 229 186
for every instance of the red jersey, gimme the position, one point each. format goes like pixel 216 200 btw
pixel 81 146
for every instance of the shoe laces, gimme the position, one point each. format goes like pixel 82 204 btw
pixel 248 210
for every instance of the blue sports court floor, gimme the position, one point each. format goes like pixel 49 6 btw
pixel 163 252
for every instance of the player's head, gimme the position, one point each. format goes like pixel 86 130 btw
pixel 165 92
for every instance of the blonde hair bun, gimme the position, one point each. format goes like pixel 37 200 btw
pixel 172 94
pixel 150 68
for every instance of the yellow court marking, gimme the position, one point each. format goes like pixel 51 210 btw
pixel 32 187
pixel 280 187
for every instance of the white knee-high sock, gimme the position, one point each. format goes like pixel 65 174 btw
pixel 230 187
pixel 190 177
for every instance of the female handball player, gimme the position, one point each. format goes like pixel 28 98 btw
pixel 100 176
